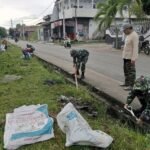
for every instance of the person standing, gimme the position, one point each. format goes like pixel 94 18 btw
pixel 130 55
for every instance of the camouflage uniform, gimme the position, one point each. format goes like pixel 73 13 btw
pixel 80 58
pixel 141 90
pixel 129 72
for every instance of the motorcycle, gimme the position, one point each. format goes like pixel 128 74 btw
pixel 67 43
pixel 144 45
pixel 16 40
pixel 147 50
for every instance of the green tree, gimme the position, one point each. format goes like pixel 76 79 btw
pixel 106 15
pixel 3 32
pixel 18 26
pixel 107 12
pixel 146 6
pixel 11 32
pixel 134 7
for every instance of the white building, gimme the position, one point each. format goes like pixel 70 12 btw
pixel 74 17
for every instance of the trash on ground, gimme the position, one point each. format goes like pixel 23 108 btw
pixel 9 78
pixel 27 125
pixel 51 82
pixel 2 48
pixel 78 131
pixel 83 106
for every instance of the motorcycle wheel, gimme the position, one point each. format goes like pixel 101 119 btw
pixel 147 50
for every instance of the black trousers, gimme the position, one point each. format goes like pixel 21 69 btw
pixel 129 72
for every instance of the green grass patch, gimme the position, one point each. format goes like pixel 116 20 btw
pixel 31 90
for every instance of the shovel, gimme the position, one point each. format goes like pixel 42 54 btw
pixel 76 79
pixel 129 109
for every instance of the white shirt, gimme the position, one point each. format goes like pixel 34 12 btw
pixel 130 50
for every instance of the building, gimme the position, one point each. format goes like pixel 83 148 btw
pixel 26 31
pixel 44 29
pixel 74 18
pixel 40 31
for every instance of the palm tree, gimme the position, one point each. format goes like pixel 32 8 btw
pixel 134 7
pixel 107 12
pixel 106 15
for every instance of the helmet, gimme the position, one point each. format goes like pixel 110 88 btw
pixel 73 52
pixel 141 84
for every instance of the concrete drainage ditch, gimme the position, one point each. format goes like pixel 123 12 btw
pixel 114 107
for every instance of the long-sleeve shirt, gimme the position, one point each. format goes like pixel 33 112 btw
pixel 130 50
pixel 145 97
pixel 80 55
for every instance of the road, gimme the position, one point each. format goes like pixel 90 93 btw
pixel 104 68
pixel 103 58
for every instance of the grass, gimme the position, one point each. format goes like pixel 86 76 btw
pixel 31 90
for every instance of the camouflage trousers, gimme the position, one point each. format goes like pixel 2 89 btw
pixel 82 63
pixel 129 72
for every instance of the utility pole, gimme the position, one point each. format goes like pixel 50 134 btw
pixel 76 21
pixel 11 22
pixel 23 30
pixel 64 25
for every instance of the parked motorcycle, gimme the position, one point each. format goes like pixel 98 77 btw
pixel 144 45
pixel 147 50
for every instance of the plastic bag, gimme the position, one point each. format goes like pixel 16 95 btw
pixel 78 131
pixel 27 125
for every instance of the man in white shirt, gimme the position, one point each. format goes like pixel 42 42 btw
pixel 130 55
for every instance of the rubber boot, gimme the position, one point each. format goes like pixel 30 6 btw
pixel 82 76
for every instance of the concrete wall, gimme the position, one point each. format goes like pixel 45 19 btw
pixel 92 29
pixel 40 34
pixel 80 12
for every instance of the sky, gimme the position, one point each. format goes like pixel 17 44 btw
pixel 23 11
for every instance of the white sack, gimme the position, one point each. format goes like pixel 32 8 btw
pixel 78 131
pixel 27 125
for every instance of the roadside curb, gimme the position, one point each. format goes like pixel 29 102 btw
pixel 109 99
pixel 114 106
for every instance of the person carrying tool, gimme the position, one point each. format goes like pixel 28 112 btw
pixel 80 58
pixel 141 90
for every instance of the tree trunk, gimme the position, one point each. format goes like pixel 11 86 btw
pixel 116 30
pixel 129 11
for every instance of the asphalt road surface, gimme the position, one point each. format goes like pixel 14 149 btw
pixel 103 58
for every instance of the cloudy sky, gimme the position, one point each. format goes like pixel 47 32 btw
pixel 26 11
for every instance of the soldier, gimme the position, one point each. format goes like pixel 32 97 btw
pixel 80 58
pixel 141 90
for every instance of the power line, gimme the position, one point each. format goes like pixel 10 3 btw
pixel 42 12
pixel 34 20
